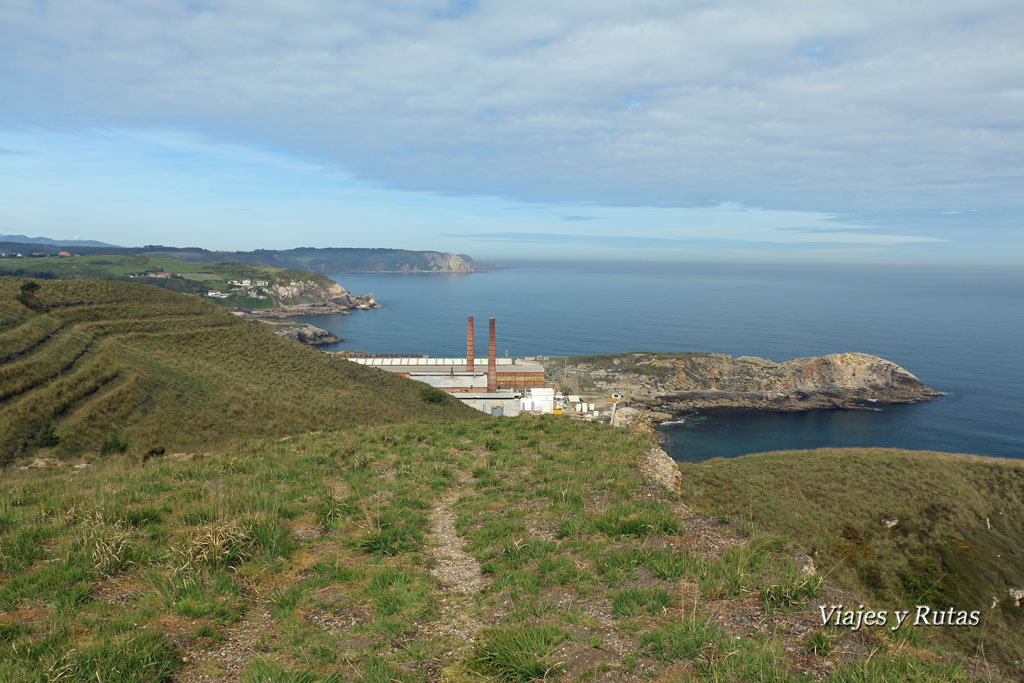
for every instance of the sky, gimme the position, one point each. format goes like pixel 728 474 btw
pixel 760 130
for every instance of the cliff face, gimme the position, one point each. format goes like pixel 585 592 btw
pixel 679 382
pixel 311 296
pixel 448 263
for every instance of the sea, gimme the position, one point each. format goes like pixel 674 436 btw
pixel 960 330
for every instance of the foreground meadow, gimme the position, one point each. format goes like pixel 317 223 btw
pixel 534 548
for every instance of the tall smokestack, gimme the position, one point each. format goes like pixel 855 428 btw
pixel 492 363
pixel 469 344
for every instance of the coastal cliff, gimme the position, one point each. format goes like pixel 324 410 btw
pixel 311 296
pixel 677 383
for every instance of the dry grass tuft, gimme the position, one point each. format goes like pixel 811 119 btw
pixel 218 544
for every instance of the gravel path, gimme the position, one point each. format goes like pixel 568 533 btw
pixel 456 568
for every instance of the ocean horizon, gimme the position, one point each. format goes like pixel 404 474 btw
pixel 957 329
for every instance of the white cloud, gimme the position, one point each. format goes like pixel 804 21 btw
pixel 830 106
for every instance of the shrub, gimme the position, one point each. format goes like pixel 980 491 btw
pixel 46 437
pixel 431 395
pixel 113 444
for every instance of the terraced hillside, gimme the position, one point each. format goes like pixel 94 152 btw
pixel 535 548
pixel 92 365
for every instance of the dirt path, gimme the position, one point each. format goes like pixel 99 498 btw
pixel 459 620
pixel 457 569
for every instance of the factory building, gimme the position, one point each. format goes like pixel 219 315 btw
pixel 459 375
pixel 496 389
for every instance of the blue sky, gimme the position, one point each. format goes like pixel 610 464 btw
pixel 746 130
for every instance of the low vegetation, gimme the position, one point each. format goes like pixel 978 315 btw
pixel 898 528
pixel 317 558
pixel 109 367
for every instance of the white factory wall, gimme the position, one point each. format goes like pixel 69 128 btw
pixel 510 407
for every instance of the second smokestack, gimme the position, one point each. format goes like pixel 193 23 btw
pixel 469 344
pixel 492 362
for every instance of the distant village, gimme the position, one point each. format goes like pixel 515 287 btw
pixel 253 289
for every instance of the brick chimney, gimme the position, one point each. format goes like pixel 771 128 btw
pixel 492 363
pixel 469 344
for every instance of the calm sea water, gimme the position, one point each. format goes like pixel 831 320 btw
pixel 960 331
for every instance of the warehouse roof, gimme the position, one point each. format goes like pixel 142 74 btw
pixel 435 365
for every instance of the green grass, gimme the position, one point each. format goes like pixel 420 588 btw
pixel 268 543
pixel 835 503
pixel 683 639
pixel 634 601
pixel 107 367
pixel 520 653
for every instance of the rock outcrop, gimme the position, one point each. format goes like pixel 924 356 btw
pixel 681 382
pixel 310 297
pixel 304 333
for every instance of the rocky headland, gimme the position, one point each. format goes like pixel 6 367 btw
pixel 311 297
pixel 303 333
pixel 677 383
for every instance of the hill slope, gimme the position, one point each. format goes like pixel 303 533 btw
pixel 237 285
pixel 99 361
pixel 900 528
pixel 533 548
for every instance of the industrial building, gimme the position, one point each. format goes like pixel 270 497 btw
pixel 496 389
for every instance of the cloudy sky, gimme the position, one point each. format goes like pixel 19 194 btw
pixel 767 130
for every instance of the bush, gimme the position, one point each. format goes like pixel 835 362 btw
pixel 27 295
pixel 46 437
pixel 113 444
pixel 431 395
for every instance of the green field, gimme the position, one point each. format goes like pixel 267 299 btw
pixel 190 277
pixel 93 362
pixel 956 540
pixel 474 550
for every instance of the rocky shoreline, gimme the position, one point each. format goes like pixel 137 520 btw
pixel 304 333
pixel 672 384
pixel 334 299
pixel 344 303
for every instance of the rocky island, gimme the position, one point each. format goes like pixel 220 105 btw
pixel 674 383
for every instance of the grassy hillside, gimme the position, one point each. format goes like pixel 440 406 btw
pixel 957 541
pixel 474 550
pixel 90 365
pixel 188 277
